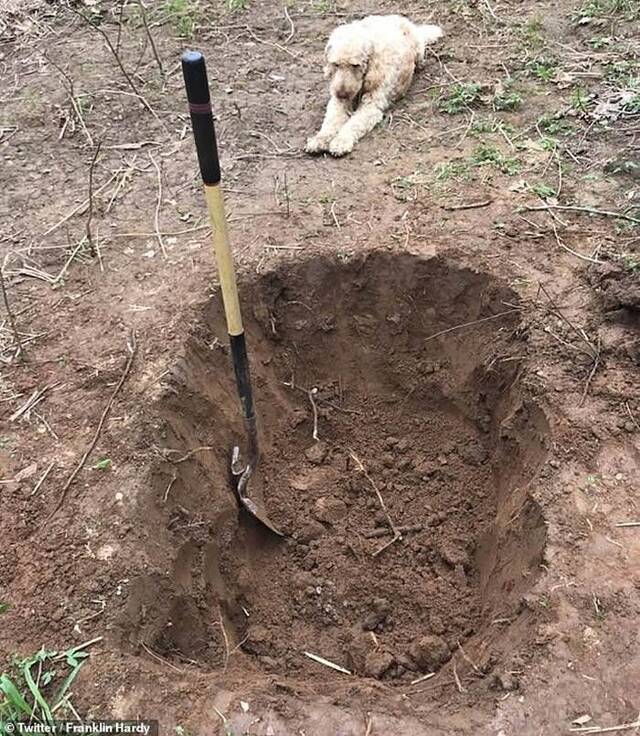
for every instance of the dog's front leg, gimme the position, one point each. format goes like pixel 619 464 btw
pixel 363 120
pixel 336 116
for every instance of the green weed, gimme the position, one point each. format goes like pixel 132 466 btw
pixel 581 99
pixel 4 607
pixel 631 263
pixel 491 124
pixel 182 14
pixel 451 170
pixel 323 6
pixel 543 69
pixel 554 125
pixel 235 5
pixel 600 42
pixel 531 33
pixel 544 191
pixel 104 464
pixel 460 96
pixel 599 9
pixel 489 155
pixel 38 687
pixel 507 99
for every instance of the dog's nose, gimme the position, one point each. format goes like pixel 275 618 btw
pixel 342 93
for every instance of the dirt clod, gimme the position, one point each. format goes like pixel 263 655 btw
pixel 329 509
pixel 317 453
pixel 430 652
pixel 377 664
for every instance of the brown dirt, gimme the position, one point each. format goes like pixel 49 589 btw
pixel 429 421
pixel 513 450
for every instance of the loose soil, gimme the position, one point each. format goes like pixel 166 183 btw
pixel 472 359
pixel 428 423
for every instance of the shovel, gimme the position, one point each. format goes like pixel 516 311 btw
pixel 197 86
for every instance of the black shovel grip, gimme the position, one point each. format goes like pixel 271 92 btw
pixel 194 71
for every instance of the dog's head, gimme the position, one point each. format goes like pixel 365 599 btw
pixel 347 55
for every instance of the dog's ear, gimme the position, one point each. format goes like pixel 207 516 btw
pixel 374 70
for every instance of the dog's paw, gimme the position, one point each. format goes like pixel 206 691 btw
pixel 317 144
pixel 341 145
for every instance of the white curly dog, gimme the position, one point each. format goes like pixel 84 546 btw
pixel 370 63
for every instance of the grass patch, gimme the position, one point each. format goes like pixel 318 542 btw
pixel 182 15
pixel 581 99
pixel 37 688
pixel 544 191
pixel 235 5
pixel 491 124
pixel 602 9
pixel 507 99
pixel 451 170
pixel 487 154
pixel 4 607
pixel 531 33
pixel 543 69
pixel 460 97
pixel 554 125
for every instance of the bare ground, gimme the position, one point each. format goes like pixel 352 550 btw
pixel 512 445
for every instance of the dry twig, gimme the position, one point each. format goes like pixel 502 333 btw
pixel 397 535
pixel 92 248
pixel 16 335
pixel 158 205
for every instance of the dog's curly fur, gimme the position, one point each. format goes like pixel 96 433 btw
pixel 370 65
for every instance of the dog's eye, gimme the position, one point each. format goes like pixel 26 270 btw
pixel 355 66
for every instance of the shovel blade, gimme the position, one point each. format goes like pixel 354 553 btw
pixel 254 504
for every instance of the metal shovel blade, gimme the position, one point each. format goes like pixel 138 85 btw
pixel 254 504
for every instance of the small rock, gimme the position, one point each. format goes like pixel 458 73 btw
pixel 309 532
pixel 317 453
pixel 454 555
pixel 473 453
pixel 430 652
pixel 391 442
pixel 329 509
pixel 403 445
pixel 436 624
pixel 387 460
pixel 376 664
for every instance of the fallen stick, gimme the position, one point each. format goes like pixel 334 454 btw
pixel 326 663
pixel 376 533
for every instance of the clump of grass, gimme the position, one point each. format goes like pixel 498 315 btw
pixel 543 69
pixel 487 154
pixel 544 191
pixel 491 124
pixel 4 607
pixel 236 5
pixel 507 99
pixel 531 33
pixel 630 263
pixel 451 170
pixel 38 687
pixel 182 15
pixel 581 99
pixel 554 125
pixel 602 9
pixel 460 97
